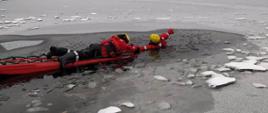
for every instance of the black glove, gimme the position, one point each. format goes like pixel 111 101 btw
pixel 137 51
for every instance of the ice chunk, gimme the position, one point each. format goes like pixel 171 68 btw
pixel 190 75
pixel 137 18
pixel 34 28
pixel 266 35
pixel 85 19
pixel 238 50
pixel 266 28
pixel 240 18
pixel 256 58
pixel 228 49
pixel 93 13
pixel 37 109
pixel 245 65
pixel 30 18
pixel 223 69
pixel 128 104
pixel 39 19
pixel 208 73
pixel 219 80
pixel 161 78
pixel 163 18
pixel 164 106
pixel 56 17
pixel 189 82
pixel 70 86
pixel 256 37
pixel 259 85
pixel 111 109
pixel 231 57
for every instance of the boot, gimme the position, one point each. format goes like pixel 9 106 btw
pixel 56 51
pixel 66 59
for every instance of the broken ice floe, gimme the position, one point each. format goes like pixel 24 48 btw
pixel 164 106
pixel 218 80
pixel 111 109
pixel 223 69
pixel 259 85
pixel 19 44
pixel 85 19
pixel 228 49
pixel 246 65
pixel 93 13
pixel 39 19
pixel 231 57
pixel 127 104
pixel 160 78
pixel 249 64
pixel 190 76
pixel 70 86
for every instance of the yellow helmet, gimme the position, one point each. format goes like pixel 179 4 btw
pixel 155 38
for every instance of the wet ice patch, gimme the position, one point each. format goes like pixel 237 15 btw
pixel 111 109
pixel 20 44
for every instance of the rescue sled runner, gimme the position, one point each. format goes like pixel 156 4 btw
pixel 19 66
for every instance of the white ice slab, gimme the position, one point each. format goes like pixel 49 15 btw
pixel 128 104
pixel 259 85
pixel 219 80
pixel 256 37
pixel 111 109
pixel 160 78
pixel 223 69
pixel 231 57
pixel 247 65
pixel 228 49
pixel 19 44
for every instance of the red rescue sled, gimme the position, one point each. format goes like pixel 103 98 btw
pixel 22 69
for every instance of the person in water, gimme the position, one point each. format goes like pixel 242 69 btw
pixel 114 46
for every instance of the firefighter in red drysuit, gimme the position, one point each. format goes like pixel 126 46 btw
pixel 116 45
pixel 157 41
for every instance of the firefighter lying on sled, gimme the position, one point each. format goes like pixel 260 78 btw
pixel 114 46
